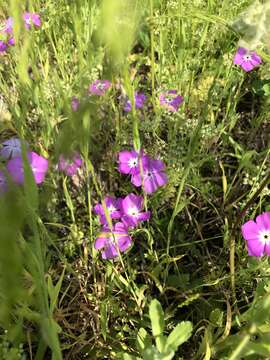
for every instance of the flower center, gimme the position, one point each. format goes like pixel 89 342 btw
pixel 133 162
pixel 133 211
pixel 111 209
pixel 247 57
pixel 264 236
pixel 100 86
pixel 149 174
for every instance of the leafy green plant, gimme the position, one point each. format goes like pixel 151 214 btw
pixel 165 346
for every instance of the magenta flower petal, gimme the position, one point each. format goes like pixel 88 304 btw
pixel 36 20
pixel 256 248
pixel 263 220
pixel 247 65
pixel 238 57
pixel 250 230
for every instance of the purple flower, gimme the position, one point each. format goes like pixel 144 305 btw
pixel 3 182
pixel 11 148
pixel 7 38
pixel 246 59
pixel 129 161
pixel 9 26
pixel 132 206
pixel 75 103
pixel 170 100
pixel 139 102
pixel 70 165
pixel 3 46
pixel 31 19
pixel 153 177
pixel 113 242
pixel 99 87
pixel 257 235
pixel 38 164
pixel 113 207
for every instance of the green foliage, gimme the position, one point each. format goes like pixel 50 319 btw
pixel 58 298
pixel 166 346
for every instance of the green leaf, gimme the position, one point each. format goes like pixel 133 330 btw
pixel 216 317
pixel 103 319
pixel 157 317
pixel 143 340
pixel 180 334
pixel 54 290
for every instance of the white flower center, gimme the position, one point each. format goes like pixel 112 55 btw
pixel 247 57
pixel 264 236
pixel 111 208
pixel 133 162
pixel 148 175
pixel 133 211
pixel 100 86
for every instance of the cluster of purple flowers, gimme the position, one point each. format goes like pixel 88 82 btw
pixel 11 153
pixel 128 211
pixel 7 38
pixel 168 100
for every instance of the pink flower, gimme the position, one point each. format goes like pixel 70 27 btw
pixel 257 235
pixel 139 99
pixel 7 35
pixel 31 19
pixel 170 100
pixel 113 242
pixel 129 161
pixel 132 214
pixel 38 164
pixel 113 208
pixel 248 60
pixel 99 87
pixel 75 103
pixel 70 165
pixel 153 175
